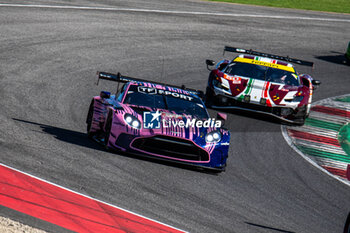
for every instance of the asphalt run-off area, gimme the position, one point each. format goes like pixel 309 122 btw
pixel 55 179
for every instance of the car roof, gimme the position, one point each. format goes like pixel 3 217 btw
pixel 264 61
pixel 164 87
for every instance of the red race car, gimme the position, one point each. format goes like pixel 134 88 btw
pixel 263 83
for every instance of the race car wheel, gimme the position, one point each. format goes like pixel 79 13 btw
pixel 108 129
pixel 347 60
pixel 308 107
pixel 89 120
pixel 302 115
pixel 300 121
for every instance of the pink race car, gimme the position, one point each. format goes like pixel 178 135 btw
pixel 158 120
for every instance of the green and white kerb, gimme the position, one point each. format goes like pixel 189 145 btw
pixel 324 140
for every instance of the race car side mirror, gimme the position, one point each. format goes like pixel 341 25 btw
pixel 222 117
pixel 316 82
pixel 209 63
pixel 200 94
pixel 105 94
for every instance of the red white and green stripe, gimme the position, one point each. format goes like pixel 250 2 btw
pixel 248 89
pixel 324 139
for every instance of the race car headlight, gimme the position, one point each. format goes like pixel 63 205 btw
pixel 295 99
pixel 132 121
pixel 214 136
pixel 298 98
pixel 217 83
pixel 221 83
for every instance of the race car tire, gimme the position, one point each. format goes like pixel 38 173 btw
pixel 300 120
pixel 89 120
pixel 347 60
pixel 307 111
pixel 108 128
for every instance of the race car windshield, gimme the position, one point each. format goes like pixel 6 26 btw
pixel 194 108
pixel 282 76
pixel 179 103
pixel 263 73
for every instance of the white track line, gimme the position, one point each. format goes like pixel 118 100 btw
pixel 177 12
pixel 128 211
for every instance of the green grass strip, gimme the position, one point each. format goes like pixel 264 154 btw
pixel 324 154
pixel 322 124
pixel 339 6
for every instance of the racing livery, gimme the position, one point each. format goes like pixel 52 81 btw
pixel 263 83
pixel 158 120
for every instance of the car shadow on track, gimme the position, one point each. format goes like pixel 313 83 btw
pixel 65 135
pixel 260 117
pixel 337 58
pixel 272 229
pixel 81 139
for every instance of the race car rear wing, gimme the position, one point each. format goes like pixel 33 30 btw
pixel 124 79
pixel 252 52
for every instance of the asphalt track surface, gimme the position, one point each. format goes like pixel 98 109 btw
pixel 48 61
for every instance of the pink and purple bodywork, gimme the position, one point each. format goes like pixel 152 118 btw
pixel 186 145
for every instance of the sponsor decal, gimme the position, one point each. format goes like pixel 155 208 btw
pixel 147 90
pixel 276 97
pixel 154 120
pixel 155 91
pixel 264 63
pixel 234 79
pixel 283 89
pixel 187 123
pixel 151 120
pixel 171 115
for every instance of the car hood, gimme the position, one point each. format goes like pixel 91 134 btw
pixel 172 123
pixel 275 93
